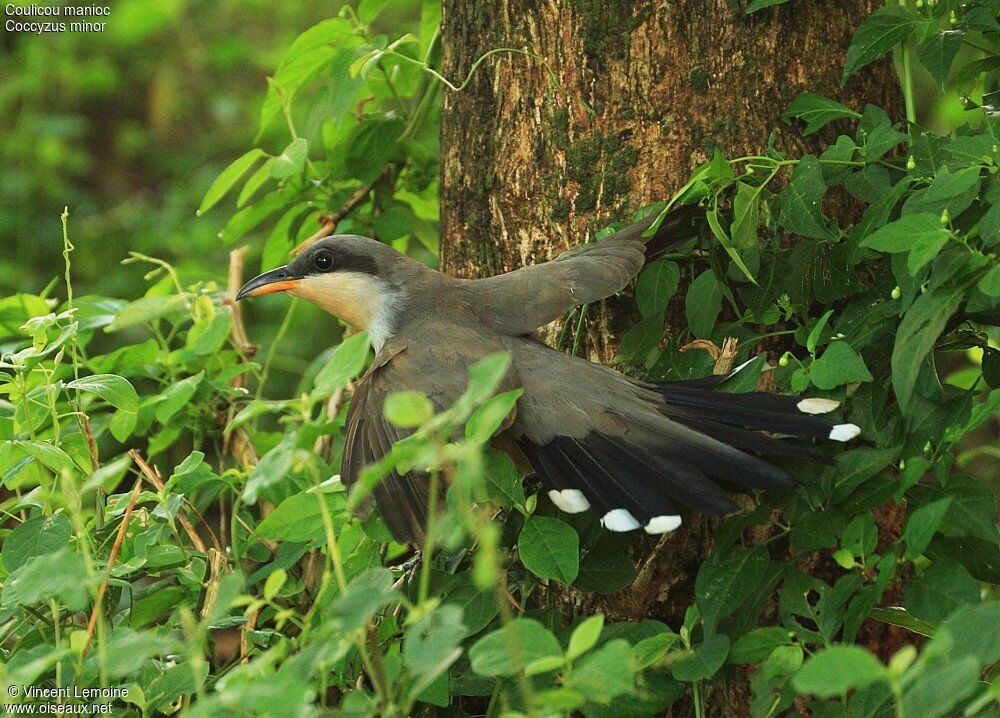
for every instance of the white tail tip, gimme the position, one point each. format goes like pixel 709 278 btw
pixel 844 432
pixel 662 524
pixel 817 406
pixel 572 501
pixel 619 520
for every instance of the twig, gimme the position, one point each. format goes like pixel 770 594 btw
pixel 237 443
pixel 126 519
pixel 329 222
pixel 156 480
pixel 217 566
pixel 237 257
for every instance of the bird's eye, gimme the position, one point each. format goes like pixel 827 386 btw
pixel 323 261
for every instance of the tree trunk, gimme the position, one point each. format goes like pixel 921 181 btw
pixel 644 92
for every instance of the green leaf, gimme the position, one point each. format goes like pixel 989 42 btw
pixel 147 309
pixel 432 644
pixel 308 56
pixel 501 479
pixel 761 4
pixel 368 10
pixel 584 636
pixel 272 468
pixel 229 176
pixel 922 235
pixel 937 51
pixel 860 535
pixel 292 160
pixel 606 568
pixel 940 688
pixel 508 650
pixel 656 285
pixel 878 34
pixel 408 408
pixel 990 283
pixel 251 217
pixel 922 525
pixel 746 215
pixel 261 175
pixel 758 644
pixel 300 517
pixel 940 589
pixel 898 616
pixel 274 583
pixel 838 669
pixel 114 389
pixel 346 363
pixel 550 549
pixel 705 661
pixel 50 456
pixel 485 376
pixel 975 630
pixel 953 191
pixel 60 574
pixel 801 202
pixel 839 365
pixel 490 416
pixel 812 341
pixel 917 333
pixel 35 537
pixel 818 111
pixel 727 579
pixel 720 234
pixel 176 396
pixel 603 675
pixel 703 304
pixel 366 595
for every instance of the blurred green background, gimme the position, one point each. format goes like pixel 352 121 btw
pixel 130 126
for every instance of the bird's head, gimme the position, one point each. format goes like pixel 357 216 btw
pixel 354 278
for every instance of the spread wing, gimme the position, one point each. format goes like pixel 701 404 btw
pixel 416 362
pixel 521 301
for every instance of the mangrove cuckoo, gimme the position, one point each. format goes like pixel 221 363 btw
pixel 639 454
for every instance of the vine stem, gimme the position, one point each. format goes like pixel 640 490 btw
pixel 904 54
pixel 475 66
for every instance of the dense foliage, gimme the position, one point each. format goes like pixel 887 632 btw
pixel 243 580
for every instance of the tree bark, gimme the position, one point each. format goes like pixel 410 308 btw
pixel 644 92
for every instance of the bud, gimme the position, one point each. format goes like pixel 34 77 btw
pixel 920 4
pixel 896 292
pixel 783 361
pixel 911 164
pixel 902 464
pixel 927 447
pixel 945 218
pixel 749 169
pixel 952 19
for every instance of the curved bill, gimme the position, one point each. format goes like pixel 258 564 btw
pixel 277 280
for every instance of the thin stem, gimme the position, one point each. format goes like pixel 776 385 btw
pixel 428 552
pixel 475 66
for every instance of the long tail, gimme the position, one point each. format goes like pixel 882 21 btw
pixel 681 453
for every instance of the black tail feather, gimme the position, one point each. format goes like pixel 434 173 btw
pixel 661 467
pixel 692 402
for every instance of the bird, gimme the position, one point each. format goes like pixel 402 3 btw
pixel 641 455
